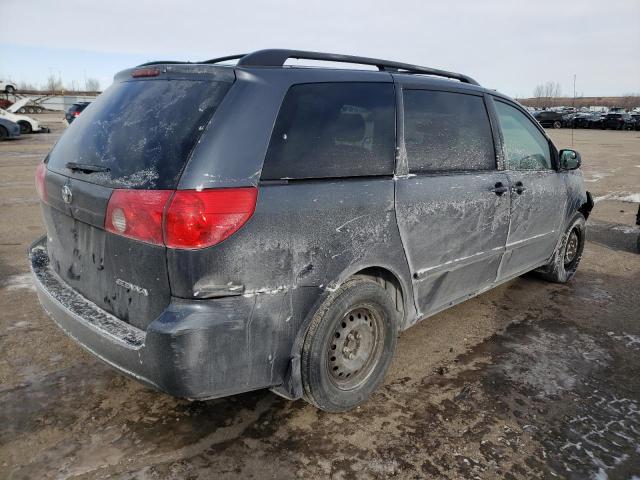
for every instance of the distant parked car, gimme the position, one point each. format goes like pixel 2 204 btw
pixel 568 120
pixel 8 129
pixel 635 118
pixel 549 118
pixel 75 110
pixel 7 86
pixel 581 120
pixel 26 124
pixel 597 120
pixel 618 121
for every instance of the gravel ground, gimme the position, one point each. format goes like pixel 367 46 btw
pixel 529 380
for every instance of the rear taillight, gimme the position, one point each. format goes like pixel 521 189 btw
pixel 197 219
pixel 41 186
pixel 137 214
pixel 76 113
pixel 184 219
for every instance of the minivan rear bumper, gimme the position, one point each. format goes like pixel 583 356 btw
pixel 194 349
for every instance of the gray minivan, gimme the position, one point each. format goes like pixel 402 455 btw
pixel 214 229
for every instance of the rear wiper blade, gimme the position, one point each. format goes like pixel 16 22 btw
pixel 85 167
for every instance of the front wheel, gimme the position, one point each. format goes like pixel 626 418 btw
pixel 25 127
pixel 9 89
pixel 565 260
pixel 349 345
pixel 4 134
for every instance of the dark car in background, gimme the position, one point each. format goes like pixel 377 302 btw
pixel 549 118
pixel 75 110
pixel 206 265
pixel 618 121
pixel 635 118
pixel 8 129
pixel 595 120
pixel 583 120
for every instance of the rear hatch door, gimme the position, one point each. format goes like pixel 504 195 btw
pixel 138 134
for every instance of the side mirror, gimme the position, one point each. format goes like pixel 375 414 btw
pixel 569 159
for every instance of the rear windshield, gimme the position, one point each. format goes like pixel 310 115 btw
pixel 142 131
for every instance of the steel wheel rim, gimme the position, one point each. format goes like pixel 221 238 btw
pixel 355 347
pixel 572 247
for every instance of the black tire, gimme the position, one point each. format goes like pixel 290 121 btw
pixel 22 110
pixel 349 345
pixel 3 133
pixel 25 127
pixel 38 110
pixel 9 89
pixel 31 110
pixel 557 124
pixel 566 258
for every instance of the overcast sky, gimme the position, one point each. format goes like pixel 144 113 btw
pixel 510 46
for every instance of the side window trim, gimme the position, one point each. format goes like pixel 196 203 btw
pixel 496 131
pixel 553 154
pixel 402 162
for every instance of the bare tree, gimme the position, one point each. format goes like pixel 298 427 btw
pixel 26 86
pixel 629 101
pixel 538 93
pixel 73 86
pixel 53 83
pixel 92 85
pixel 546 94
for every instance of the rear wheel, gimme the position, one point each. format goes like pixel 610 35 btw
pixel 9 89
pixel 349 345
pixel 3 133
pixel 557 124
pixel 25 127
pixel 565 260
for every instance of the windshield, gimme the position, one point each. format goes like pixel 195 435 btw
pixel 140 132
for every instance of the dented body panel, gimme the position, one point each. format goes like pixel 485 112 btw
pixel 220 320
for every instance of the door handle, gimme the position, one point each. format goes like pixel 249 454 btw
pixel 519 188
pixel 499 189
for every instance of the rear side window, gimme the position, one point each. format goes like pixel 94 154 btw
pixel 525 147
pixel 445 131
pixel 142 131
pixel 327 130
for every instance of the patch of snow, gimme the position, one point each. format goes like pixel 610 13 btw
pixel 596 176
pixel 620 196
pixel 19 282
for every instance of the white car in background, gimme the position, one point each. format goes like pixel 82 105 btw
pixel 27 124
pixel 7 86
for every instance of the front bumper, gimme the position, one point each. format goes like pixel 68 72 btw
pixel 196 349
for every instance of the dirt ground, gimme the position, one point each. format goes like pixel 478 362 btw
pixel 529 380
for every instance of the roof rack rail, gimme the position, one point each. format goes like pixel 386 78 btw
pixel 278 57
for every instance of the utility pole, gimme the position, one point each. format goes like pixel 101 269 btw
pixel 574 107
